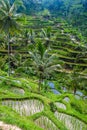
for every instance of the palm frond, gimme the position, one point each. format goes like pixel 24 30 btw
pixel 8 17
pixel 19 3
pixel 2 12
pixel 7 2
pixel 12 8
pixel 43 33
pixel 2 4
pixel 41 49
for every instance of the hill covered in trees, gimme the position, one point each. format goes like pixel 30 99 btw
pixel 75 12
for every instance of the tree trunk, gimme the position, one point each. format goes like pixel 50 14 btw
pixel 8 37
pixel 40 81
pixel 74 90
pixel 39 85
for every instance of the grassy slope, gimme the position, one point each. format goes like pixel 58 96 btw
pixel 26 123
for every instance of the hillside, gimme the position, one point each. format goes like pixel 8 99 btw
pixel 43 65
pixel 75 12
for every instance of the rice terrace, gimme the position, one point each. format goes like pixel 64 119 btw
pixel 43 64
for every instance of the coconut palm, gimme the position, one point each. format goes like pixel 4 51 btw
pixel 9 21
pixel 29 36
pixel 46 35
pixel 43 63
pixel 75 78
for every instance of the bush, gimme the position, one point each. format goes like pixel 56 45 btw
pixel 80 106
pixel 53 107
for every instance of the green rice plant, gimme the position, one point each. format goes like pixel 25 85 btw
pixel 72 123
pixel 60 105
pixel 25 107
pixel 46 123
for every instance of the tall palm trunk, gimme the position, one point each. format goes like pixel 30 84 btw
pixel 39 85
pixel 8 40
pixel 40 81
pixel 75 90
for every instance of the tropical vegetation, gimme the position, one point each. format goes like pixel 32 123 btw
pixel 43 65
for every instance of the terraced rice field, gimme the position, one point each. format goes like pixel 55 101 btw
pixel 25 107
pixel 71 123
pixel 45 123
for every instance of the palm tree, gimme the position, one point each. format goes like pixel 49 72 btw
pixel 75 78
pixel 9 21
pixel 46 35
pixel 43 63
pixel 29 36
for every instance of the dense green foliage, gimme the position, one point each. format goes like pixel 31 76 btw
pixel 75 12
pixel 47 51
